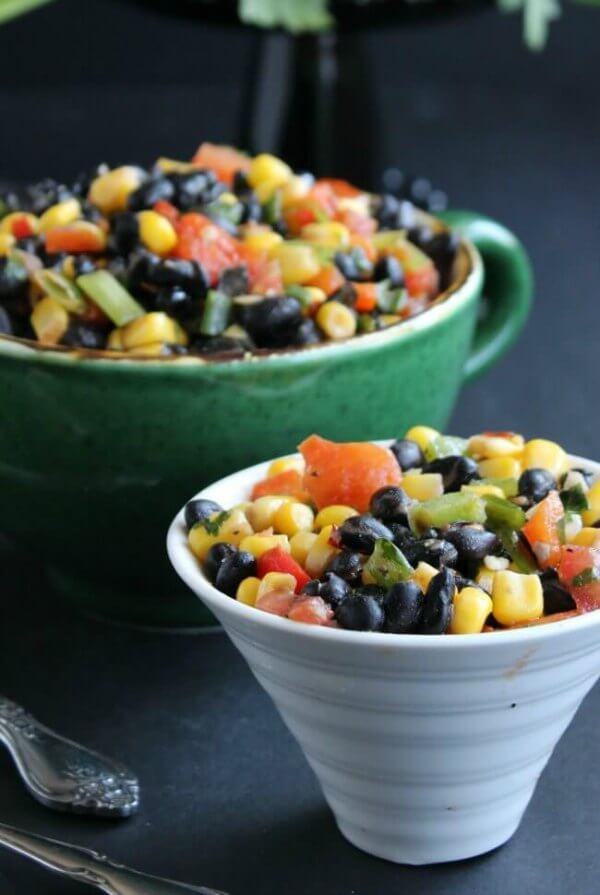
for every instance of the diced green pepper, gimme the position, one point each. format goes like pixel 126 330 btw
pixel 438 512
pixel 509 486
pixel 272 208
pixel 389 299
pixel 61 289
pixel 574 499
pixel 501 512
pixel 110 296
pixel 387 564
pixel 445 446
pixel 215 316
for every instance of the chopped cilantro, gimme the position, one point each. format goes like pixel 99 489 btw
pixel 588 576
pixel 574 499
pixel 213 525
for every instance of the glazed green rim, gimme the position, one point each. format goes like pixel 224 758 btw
pixel 446 304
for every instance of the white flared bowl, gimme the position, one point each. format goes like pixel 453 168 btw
pixel 427 749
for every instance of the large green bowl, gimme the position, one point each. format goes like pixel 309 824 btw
pixel 97 453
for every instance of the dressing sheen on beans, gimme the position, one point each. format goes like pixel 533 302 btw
pixel 223 257
pixel 468 536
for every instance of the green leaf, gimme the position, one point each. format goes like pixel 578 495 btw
pixel 387 564
pixel 293 15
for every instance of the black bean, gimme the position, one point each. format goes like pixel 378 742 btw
pixel 5 322
pixel 556 597
pixel 536 484
pixel 14 285
pixel 233 570
pixel 234 281
pixel 176 302
pixel 393 213
pixel 313 588
pixel 347 565
pixel 442 247
pixel 334 589
pixel 83 264
pixel 437 609
pixel 84 335
pixel 251 210
pixel 360 612
pixel 41 195
pixel 389 268
pixel 408 454
pixel 270 321
pixel 390 505
pixel 241 185
pixel 403 536
pixel 419 190
pixel 360 533
pixel 434 551
pixel 217 345
pixel 370 590
pixel 141 272
pixel 150 192
pixel 215 557
pixel 307 333
pixel 354 265
pixel 198 509
pixel 456 471
pixel 83 181
pixel 10 201
pixel 124 233
pixel 473 544
pixel 403 606
pixel 195 189
pixel 420 235
pixel 346 295
pixel 189 275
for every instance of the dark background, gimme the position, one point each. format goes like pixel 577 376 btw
pixel 228 798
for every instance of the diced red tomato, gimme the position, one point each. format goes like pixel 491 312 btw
pixel 200 239
pixel 277 602
pixel 362 224
pixel 424 282
pixel 311 611
pixel 299 214
pixel 329 279
pixel 264 273
pixel 223 160
pixel 579 571
pixel 341 188
pixel 324 197
pixel 168 210
pixel 21 228
pixel 289 483
pixel 79 237
pixel 366 297
pixel 348 473
pixel 543 533
pixel 277 560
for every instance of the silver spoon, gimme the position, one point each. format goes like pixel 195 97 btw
pixel 63 775
pixel 88 866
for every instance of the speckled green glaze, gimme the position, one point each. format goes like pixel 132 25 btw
pixel 96 455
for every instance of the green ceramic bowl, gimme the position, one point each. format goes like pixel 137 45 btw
pixel 96 453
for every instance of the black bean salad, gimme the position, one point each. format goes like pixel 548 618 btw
pixel 433 535
pixel 223 256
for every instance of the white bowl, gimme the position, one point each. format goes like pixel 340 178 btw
pixel 427 749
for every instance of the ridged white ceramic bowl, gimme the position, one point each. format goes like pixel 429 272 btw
pixel 427 749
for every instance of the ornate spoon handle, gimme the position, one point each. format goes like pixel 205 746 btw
pixel 90 867
pixel 63 775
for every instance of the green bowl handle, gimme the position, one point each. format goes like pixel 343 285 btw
pixel 508 287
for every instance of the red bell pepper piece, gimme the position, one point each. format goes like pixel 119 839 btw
pixel 277 560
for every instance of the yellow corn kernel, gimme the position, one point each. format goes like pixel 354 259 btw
pixel 228 199
pixel 6 224
pixel 257 544
pixel 172 166
pixel 500 468
pixel 234 529
pixel 262 511
pixel 115 342
pixel 262 241
pixel 592 514
pixel 294 189
pixel 423 575
pixel 244 506
pixel 470 611
pixel 335 514
pixel 284 464
pixel 293 517
pixel 276 581
pixel 300 544
pixel 268 168
pixel 484 489
pixel 156 232
pixel 542 454
pixel 109 192
pixel 488 447
pixel 329 234
pixel 50 321
pixel 299 263
pixel 247 591
pixel 152 327
pixel 423 435
pixel 485 579
pixel 424 486
pixel 336 321
pixel 60 215
pixel 587 537
pixel 320 553
pixel 516 597
pixel 7 242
